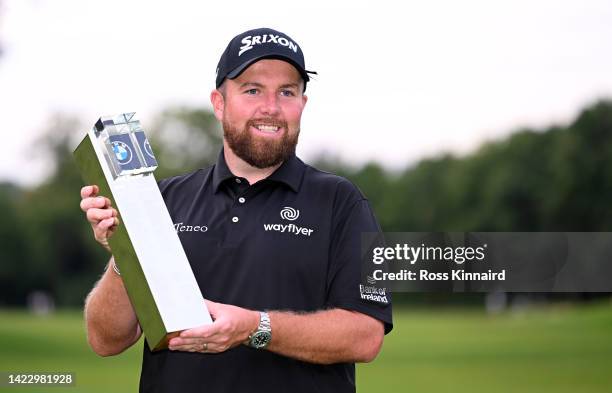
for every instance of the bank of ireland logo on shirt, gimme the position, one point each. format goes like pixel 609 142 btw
pixel 289 213
pixel 373 293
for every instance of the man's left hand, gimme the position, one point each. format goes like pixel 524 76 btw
pixel 231 327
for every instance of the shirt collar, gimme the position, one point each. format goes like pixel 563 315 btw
pixel 290 172
pixel 221 171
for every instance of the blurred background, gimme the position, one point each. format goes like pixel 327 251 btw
pixel 450 116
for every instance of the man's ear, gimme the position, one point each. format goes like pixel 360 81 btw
pixel 218 103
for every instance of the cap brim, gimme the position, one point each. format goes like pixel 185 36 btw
pixel 235 73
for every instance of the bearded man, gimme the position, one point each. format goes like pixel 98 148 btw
pixel 279 262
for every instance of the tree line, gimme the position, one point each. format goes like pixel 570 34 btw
pixel 557 178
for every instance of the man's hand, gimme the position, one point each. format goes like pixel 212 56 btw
pixel 231 327
pixel 100 214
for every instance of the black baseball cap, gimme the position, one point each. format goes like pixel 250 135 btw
pixel 257 44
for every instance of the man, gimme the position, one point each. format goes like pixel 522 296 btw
pixel 279 260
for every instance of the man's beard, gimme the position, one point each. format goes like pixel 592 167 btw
pixel 259 151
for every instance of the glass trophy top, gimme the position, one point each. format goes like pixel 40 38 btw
pixel 125 145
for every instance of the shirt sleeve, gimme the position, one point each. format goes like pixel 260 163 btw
pixel 344 288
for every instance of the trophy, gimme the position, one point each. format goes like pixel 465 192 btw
pixel 116 155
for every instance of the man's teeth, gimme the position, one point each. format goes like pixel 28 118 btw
pixel 266 128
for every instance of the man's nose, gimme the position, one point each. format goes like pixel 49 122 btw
pixel 270 105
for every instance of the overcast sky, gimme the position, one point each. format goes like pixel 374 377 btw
pixel 397 81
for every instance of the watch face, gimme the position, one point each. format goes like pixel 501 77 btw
pixel 261 339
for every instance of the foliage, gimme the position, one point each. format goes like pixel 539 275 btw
pixel 554 179
pixel 46 243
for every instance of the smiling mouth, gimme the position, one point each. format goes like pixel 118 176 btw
pixel 267 128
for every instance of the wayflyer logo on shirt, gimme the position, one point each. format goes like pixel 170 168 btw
pixel 290 214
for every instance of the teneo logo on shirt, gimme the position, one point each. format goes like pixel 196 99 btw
pixel 248 42
pixel 181 227
pixel 290 214
pixel 373 293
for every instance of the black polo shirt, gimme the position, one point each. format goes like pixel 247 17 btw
pixel 288 242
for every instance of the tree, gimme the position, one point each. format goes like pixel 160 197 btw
pixel 185 139
pixel 46 240
pixel 554 179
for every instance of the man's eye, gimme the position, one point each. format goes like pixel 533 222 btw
pixel 287 93
pixel 251 91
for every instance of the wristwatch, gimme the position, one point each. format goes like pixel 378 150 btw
pixel 261 337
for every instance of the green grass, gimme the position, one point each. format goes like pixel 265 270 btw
pixel 556 349
pixel 58 343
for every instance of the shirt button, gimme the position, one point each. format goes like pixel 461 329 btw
pixel 238 181
pixel 234 219
pixel 241 200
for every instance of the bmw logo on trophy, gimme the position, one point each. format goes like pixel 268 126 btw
pixel 116 155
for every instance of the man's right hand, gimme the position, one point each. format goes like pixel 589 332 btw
pixel 100 214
